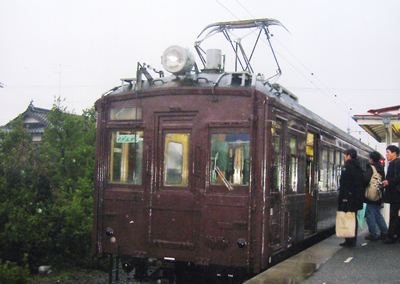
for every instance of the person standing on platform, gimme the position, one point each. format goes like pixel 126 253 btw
pixel 373 210
pixel 392 193
pixel 351 190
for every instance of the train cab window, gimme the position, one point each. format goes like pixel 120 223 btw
pixel 126 157
pixel 176 159
pixel 230 159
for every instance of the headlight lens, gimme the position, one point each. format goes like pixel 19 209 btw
pixel 109 232
pixel 241 243
pixel 177 60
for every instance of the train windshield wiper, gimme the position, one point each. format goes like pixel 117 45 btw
pixel 221 174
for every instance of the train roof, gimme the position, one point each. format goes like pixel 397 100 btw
pixel 186 74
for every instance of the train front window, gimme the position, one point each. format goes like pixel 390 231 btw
pixel 230 159
pixel 126 157
pixel 126 113
pixel 176 159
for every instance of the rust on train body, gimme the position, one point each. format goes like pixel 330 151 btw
pixel 212 167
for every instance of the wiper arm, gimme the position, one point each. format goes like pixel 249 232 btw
pixel 221 174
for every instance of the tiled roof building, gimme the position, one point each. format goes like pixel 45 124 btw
pixel 34 119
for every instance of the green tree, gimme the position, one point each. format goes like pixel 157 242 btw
pixel 46 191
pixel 69 141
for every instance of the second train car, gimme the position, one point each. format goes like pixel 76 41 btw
pixel 210 170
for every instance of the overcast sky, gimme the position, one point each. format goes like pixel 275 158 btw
pixel 339 57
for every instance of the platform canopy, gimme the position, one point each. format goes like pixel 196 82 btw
pixel 382 124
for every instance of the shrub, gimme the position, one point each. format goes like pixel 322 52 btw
pixel 11 273
pixel 46 192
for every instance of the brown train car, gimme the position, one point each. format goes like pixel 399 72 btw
pixel 211 170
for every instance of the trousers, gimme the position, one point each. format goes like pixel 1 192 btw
pixel 375 220
pixel 394 221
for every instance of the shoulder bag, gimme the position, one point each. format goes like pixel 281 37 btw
pixel 345 224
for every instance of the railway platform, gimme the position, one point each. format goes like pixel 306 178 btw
pixel 328 263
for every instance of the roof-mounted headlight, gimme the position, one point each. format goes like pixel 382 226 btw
pixel 177 60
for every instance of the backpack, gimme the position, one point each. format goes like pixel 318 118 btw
pixel 373 192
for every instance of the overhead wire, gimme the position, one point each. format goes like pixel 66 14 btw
pixel 348 108
pixel 227 9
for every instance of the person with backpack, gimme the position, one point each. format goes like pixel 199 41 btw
pixel 392 193
pixel 373 176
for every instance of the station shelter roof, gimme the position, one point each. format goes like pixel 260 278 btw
pixel 381 122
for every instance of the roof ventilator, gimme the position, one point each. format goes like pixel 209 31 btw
pixel 240 78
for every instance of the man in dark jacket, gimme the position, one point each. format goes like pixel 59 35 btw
pixel 392 193
pixel 373 209
pixel 351 189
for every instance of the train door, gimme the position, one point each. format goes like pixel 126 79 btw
pixel 311 190
pixel 276 231
pixel 226 201
pixel 295 157
pixel 172 199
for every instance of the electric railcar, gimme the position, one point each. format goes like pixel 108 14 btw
pixel 209 169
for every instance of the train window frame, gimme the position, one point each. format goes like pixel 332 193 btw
pixel 124 113
pixel 277 143
pixel 296 162
pixel 186 152
pixel 226 184
pixel 323 169
pixel 330 165
pixel 330 169
pixel 293 164
pixel 131 173
pixel 338 167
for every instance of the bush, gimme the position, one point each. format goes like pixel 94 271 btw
pixel 46 192
pixel 11 273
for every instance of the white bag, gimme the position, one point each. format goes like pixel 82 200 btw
pixel 345 224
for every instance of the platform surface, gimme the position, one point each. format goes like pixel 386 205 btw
pixel 328 263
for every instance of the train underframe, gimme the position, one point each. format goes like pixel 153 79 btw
pixel 152 270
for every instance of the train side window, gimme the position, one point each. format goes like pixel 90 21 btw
pixel 331 170
pixel 293 165
pixel 323 177
pixel 126 157
pixel 310 145
pixel 176 159
pixel 276 167
pixel 230 159
pixel 338 168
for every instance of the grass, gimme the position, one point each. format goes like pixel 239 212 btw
pixel 71 275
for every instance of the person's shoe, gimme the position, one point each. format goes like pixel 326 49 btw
pixel 344 244
pixel 389 241
pixel 371 238
pixel 383 236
